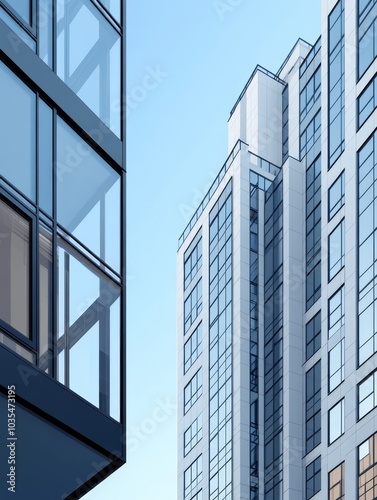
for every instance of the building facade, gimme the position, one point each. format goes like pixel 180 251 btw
pixel 62 246
pixel 277 343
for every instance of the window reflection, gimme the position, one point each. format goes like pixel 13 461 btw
pixel 88 59
pixel 17 133
pixel 23 9
pixel 15 269
pixel 88 196
pixel 89 331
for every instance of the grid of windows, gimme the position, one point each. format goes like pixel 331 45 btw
pixel 313 478
pixel 313 407
pixel 310 94
pixel 193 348
pixel 368 469
pixel 367 160
pixel 313 232
pixel 336 365
pixel 336 82
pixel 313 335
pixel 310 135
pixel 336 421
pixel 273 340
pixel 193 305
pixel 336 312
pixel 83 258
pixel 367 34
pixel 193 435
pixel 193 476
pixel 285 142
pixel 367 395
pixel 336 483
pixel 193 263
pixel 193 390
pixel 220 345
pixel 336 250
pixel 367 102
pixel 336 196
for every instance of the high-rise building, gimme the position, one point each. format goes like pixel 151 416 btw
pixel 277 283
pixel 62 251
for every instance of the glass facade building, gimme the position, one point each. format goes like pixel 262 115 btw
pixel 276 283
pixel 62 242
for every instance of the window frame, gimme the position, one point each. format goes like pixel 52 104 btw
pixel 342 251
pixel 342 423
pixel 31 29
pixel 30 343
pixel 330 213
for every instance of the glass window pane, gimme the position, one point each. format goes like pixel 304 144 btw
pixel 23 9
pixel 113 6
pixel 84 366
pixel 17 133
pixel 88 192
pixel 89 316
pixel 15 269
pixel 88 59
pixel 45 27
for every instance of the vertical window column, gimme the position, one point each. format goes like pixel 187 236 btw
pixel 336 82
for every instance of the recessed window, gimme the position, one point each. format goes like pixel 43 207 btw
pixel 193 390
pixel 336 250
pixel 192 478
pixel 367 102
pixel 336 196
pixel 193 435
pixel 336 421
pixel 336 365
pixel 313 335
pixel 193 348
pixel 367 395
pixel 193 305
pixel 336 312
pixel 193 262
pixel 313 478
pixel 368 468
pixel 313 407
pixel 336 483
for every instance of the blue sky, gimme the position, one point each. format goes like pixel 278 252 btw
pixel 187 63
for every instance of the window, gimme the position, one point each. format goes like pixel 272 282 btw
pixel 193 435
pixel 336 311
pixel 367 102
pixel 192 478
pixel 367 34
pixel 193 305
pixel 313 407
pixel 313 232
pixel 193 390
pixel 313 335
pixel 15 270
pixel 336 421
pixel 336 483
pixel 368 469
pixel 89 59
pixel 336 250
pixel 313 478
pixel 88 330
pixel 336 365
pixel 285 142
pixel 336 82
pixel 310 135
pixel 88 196
pixel 310 94
pixel 193 263
pixel 18 133
pixel 193 348
pixel 367 160
pixel 336 196
pixel 367 395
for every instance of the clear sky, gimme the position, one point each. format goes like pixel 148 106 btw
pixel 187 62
